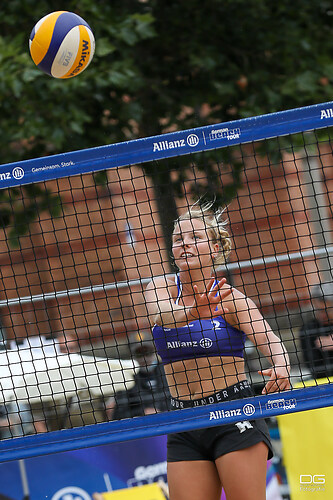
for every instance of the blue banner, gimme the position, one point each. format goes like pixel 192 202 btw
pixel 167 145
pixel 77 474
pixel 186 419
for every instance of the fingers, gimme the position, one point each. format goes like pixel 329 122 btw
pixel 217 291
pixel 212 286
pixel 220 283
pixel 267 372
pixel 276 383
pixel 211 283
pixel 212 297
pixel 220 311
pixel 217 285
pixel 225 293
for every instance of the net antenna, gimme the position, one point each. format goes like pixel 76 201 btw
pixel 74 320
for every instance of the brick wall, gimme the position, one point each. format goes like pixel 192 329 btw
pixel 111 233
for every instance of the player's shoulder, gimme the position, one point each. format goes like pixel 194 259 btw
pixel 163 281
pixel 237 299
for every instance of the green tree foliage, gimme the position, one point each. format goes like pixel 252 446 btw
pixel 156 63
pixel 160 65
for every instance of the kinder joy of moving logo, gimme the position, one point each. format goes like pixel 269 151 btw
pixel 191 140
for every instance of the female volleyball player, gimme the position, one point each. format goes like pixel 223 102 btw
pixel 199 328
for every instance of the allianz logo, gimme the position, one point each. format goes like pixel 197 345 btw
pixel 326 113
pixel 204 343
pixel 17 173
pixel 214 415
pixel 191 140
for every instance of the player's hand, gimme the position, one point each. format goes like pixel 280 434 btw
pixel 205 304
pixel 324 342
pixel 279 379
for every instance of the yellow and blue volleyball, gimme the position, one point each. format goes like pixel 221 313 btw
pixel 62 44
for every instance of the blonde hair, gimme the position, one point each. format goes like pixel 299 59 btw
pixel 215 226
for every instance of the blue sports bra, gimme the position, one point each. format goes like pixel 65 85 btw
pixel 199 338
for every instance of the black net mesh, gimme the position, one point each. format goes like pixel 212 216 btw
pixel 78 253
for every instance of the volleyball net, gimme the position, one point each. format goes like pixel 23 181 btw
pixel 83 233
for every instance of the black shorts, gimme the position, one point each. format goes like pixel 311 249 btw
pixel 213 442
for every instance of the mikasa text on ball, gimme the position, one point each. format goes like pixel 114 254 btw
pixel 62 44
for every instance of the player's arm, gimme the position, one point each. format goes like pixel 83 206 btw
pixel 246 317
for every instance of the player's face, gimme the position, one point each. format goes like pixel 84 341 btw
pixel 191 245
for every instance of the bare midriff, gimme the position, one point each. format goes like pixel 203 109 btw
pixel 201 377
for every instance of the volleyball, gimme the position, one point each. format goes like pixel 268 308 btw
pixel 62 44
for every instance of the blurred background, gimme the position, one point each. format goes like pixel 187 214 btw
pixel 158 67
